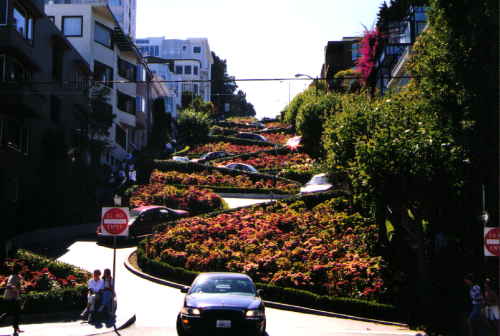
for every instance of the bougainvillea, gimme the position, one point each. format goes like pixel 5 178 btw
pixel 269 161
pixel 215 178
pixel 365 64
pixel 227 147
pixel 194 200
pixel 326 249
pixel 39 279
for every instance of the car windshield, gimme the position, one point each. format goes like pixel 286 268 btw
pixel 134 213
pixel 239 286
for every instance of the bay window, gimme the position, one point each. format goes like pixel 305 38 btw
pixel 103 35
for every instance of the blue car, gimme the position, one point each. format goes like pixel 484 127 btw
pixel 222 303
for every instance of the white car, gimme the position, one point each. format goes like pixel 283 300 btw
pixel 180 158
pixel 317 183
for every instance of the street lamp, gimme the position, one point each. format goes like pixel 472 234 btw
pixel 315 80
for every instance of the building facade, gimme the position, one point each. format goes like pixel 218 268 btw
pixel 114 60
pixel 125 11
pixel 185 65
pixel 339 55
pixel 42 83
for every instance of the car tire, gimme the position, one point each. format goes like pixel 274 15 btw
pixel 178 326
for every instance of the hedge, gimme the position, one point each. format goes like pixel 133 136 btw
pixel 362 308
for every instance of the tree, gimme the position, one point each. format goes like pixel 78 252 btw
pixel 193 126
pixel 223 92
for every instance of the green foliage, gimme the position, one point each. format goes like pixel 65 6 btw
pixel 193 126
pixel 289 114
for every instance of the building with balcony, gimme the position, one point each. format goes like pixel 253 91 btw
pixel 114 60
pixel 42 83
pixel 125 11
pixel 185 65
pixel 399 37
pixel 339 55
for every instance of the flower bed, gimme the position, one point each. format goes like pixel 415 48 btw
pixel 268 161
pixel 276 124
pixel 46 285
pixel 227 147
pixel 194 200
pixel 216 178
pixel 324 249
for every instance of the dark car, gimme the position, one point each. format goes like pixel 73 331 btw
pixel 222 303
pixel 142 220
pixel 214 155
pixel 241 166
pixel 250 136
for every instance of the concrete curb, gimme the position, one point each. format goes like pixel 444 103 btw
pixel 254 196
pixel 125 325
pixel 270 304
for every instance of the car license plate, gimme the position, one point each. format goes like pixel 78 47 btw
pixel 223 324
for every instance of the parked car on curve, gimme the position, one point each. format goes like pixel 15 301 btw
pixel 225 303
pixel 180 158
pixel 241 166
pixel 214 155
pixel 317 183
pixel 142 220
pixel 250 136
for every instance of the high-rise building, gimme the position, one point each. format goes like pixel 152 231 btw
pixel 124 11
pixel 189 67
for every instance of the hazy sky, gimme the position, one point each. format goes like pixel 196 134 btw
pixel 261 38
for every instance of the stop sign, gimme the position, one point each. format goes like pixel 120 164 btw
pixel 492 241
pixel 114 221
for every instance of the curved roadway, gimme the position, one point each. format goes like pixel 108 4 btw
pixel 156 306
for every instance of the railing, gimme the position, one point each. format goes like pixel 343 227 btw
pixel 81 2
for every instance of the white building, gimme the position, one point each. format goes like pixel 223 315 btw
pixel 125 11
pixel 190 68
pixel 94 31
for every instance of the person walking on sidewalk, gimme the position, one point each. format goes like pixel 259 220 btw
pixel 475 318
pixel 491 309
pixel 12 297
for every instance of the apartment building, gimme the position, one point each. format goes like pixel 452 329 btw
pixel 186 65
pixel 125 11
pixel 339 55
pixel 95 32
pixel 42 82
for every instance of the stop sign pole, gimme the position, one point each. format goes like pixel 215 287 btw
pixel 114 222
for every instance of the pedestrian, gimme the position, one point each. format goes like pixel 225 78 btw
pixel 108 292
pixel 12 297
pixel 94 285
pixel 491 305
pixel 477 301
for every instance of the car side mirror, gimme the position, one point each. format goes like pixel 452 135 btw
pixel 260 292
pixel 185 289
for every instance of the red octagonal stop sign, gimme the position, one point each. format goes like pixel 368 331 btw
pixel 114 221
pixel 492 241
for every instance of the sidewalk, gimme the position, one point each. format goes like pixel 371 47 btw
pixel 74 328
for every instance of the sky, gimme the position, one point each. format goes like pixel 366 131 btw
pixel 261 38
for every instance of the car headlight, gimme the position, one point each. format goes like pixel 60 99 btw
pixel 252 313
pixel 190 311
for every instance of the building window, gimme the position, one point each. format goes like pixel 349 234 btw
pixel 16 71
pixel 197 50
pixel 142 41
pixel 23 23
pixel 55 109
pixel 126 103
pixel 195 89
pixel 126 69
pixel 103 73
pixel 103 35
pixel 355 51
pixel 178 69
pixel 187 69
pixel 140 104
pixel 120 136
pixel 3 12
pixel 195 70
pixel 72 26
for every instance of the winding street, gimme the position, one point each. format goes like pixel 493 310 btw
pixel 156 306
